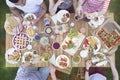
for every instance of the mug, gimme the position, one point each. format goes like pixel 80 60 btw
pixel 56 45
pixel 46 21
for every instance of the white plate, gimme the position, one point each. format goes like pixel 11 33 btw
pixel 97 41
pixel 27 22
pixel 58 60
pixel 28 53
pixel 99 61
pixel 21 41
pixel 12 30
pixel 10 52
pixel 95 24
pixel 60 16
pixel 84 53
pixel 30 14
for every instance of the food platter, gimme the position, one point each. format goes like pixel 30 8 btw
pixel 11 28
pixel 99 59
pixel 20 41
pixel 28 57
pixel 97 21
pixel 72 42
pixel 110 40
pixel 92 44
pixel 28 18
pixel 12 56
pixel 62 61
pixel 63 16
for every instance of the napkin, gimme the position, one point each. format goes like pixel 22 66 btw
pixel 54 18
pixel 53 60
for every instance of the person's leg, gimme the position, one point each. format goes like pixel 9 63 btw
pixel 30 69
pixel 44 73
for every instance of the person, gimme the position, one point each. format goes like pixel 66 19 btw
pixel 97 73
pixel 37 7
pixel 27 71
pixel 92 8
pixel 56 5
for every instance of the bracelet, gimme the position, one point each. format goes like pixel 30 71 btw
pixel 87 70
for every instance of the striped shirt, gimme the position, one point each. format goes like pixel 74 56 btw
pixel 106 4
pixel 91 6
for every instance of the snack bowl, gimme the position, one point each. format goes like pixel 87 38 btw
pixel 63 16
pixel 62 61
pixel 46 57
pixel 12 56
pixel 76 59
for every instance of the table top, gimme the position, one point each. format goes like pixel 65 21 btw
pixel 59 38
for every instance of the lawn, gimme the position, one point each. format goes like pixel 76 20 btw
pixel 9 73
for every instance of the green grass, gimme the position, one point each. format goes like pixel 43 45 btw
pixel 9 73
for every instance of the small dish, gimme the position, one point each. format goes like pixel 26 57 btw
pixel 62 61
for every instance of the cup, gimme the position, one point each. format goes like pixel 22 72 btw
pixel 46 57
pixel 48 30
pixel 46 21
pixel 77 17
pixel 56 45
pixel 84 53
pixel 37 37
pixel 29 47
pixel 76 59
pixel 44 41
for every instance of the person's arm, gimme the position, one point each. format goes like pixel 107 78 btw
pixel 41 14
pixel 113 68
pixel 16 13
pixel 78 9
pixel 52 72
pixel 75 4
pixel 53 6
pixel 88 65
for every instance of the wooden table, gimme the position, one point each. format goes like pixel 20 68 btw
pixel 59 38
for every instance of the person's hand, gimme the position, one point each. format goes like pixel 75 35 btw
pixel 59 2
pixel 36 60
pixel 88 64
pixel 110 59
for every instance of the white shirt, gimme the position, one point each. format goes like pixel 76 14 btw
pixel 97 76
pixel 31 6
